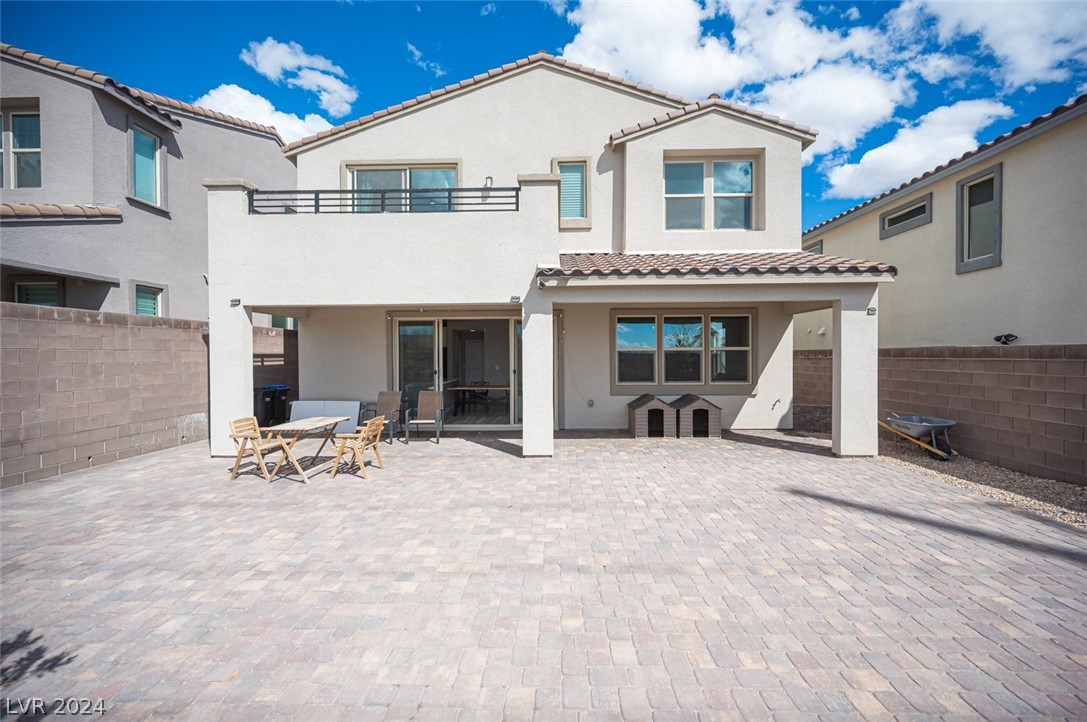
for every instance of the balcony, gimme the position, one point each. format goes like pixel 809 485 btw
pixel 391 200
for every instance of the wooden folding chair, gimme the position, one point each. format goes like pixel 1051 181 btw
pixel 249 442
pixel 353 446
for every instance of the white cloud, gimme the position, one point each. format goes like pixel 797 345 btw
pixel 241 103
pixel 1035 42
pixel 272 58
pixel 852 14
pixel 843 101
pixel 276 61
pixel 937 67
pixel 558 6
pixel 428 65
pixel 487 9
pixel 936 137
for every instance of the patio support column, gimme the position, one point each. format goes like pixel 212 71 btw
pixel 230 327
pixel 856 378
pixel 538 375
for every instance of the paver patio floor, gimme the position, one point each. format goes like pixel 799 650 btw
pixel 751 577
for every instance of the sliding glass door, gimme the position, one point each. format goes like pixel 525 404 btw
pixel 417 358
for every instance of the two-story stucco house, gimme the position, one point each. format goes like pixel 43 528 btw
pixel 565 239
pixel 101 205
pixel 986 323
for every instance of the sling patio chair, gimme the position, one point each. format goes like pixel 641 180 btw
pixel 388 405
pixel 353 446
pixel 428 411
pixel 249 442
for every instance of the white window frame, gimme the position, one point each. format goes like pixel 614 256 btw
pixel 715 195
pixel 655 348
pixel 814 246
pixel 886 230
pixel 585 222
pixel 748 348
pixel 9 151
pixel 962 220
pixel 159 190
pixel 667 195
pixel 708 194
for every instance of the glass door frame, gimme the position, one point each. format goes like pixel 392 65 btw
pixel 515 358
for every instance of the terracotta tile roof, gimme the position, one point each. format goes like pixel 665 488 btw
pixel 154 103
pixel 1040 120
pixel 715 102
pixel 46 211
pixel 788 263
pixel 537 58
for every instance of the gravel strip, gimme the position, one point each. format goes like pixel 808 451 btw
pixel 1052 499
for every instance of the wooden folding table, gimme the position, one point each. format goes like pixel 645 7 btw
pixel 290 432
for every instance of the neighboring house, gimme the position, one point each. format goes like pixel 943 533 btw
pixel 988 244
pixel 101 205
pixel 545 243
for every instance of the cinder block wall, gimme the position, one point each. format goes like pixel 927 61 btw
pixel 1021 407
pixel 82 388
pixel 813 376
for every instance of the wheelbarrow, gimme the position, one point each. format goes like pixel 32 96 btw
pixel 920 430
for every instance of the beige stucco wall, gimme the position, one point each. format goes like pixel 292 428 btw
pixel 342 354
pixel 723 137
pixel 502 129
pixel 1038 293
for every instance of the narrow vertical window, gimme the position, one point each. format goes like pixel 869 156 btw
pixel 683 195
pixel 636 350
pixel 732 193
pixel 148 301
pixel 26 148
pixel 682 349
pixel 730 349
pixel 145 166
pixel 572 190
pixel 978 207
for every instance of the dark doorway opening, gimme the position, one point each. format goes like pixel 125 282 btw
pixel 655 423
pixel 700 423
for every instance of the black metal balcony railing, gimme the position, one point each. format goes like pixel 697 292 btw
pixel 411 200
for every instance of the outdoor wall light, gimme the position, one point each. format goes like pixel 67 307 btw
pixel 1005 338
pixel 235 302
pixel 488 182
pixel 871 310
pixel 515 299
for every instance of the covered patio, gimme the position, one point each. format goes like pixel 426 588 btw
pixel 752 576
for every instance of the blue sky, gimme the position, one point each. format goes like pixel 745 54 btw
pixel 895 88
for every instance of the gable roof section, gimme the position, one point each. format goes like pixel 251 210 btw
pixel 158 106
pixel 715 104
pixel 782 263
pixel 540 58
pixel 1039 125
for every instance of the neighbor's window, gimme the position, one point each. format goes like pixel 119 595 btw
pixel 814 246
pixel 285 322
pixel 25 148
pixel 905 217
pixel 38 293
pixel 398 190
pixel 692 350
pixel 145 166
pixel 725 188
pixel 684 195
pixel 682 349
pixel 572 190
pixel 148 301
pixel 636 349
pixel 730 349
pixel 979 221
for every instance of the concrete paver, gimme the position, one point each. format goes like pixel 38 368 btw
pixel 755 576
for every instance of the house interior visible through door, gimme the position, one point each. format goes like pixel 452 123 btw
pixel 477 360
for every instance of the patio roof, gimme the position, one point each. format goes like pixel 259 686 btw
pixel 789 263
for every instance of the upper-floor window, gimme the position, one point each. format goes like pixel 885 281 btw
pixel 905 217
pixel 572 190
pixel 723 190
pixel 21 146
pixel 411 189
pixel 978 233
pixel 148 301
pixel 146 172
pixel 814 246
